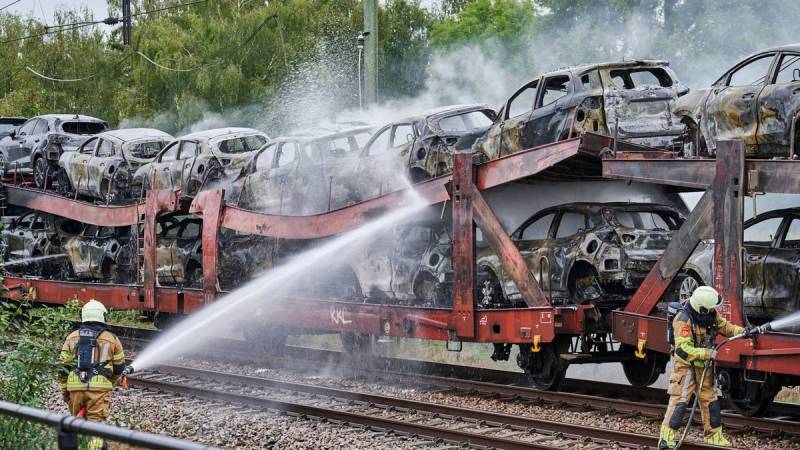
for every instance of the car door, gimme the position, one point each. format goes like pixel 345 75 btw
pixel 285 199
pixel 98 163
pixel 731 107
pixel 562 251
pixel 759 237
pixel 410 243
pixel 779 105
pixel 18 237
pixel 181 169
pixel 76 164
pixel 517 113
pixel 550 116
pixel 781 271
pixel 18 149
pixel 533 239
pixel 159 174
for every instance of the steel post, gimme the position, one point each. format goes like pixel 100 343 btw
pixel 462 188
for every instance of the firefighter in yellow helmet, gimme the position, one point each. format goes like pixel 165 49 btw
pixel 696 326
pixel 93 359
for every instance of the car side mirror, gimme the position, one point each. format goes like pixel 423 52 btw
pixel 796 75
pixel 683 90
pixel 13 133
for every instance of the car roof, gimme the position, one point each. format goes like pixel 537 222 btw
pixel 69 117
pixel 207 135
pixel 610 65
pixel 444 111
pixel 322 133
pixel 611 205
pixel 785 48
pixel 12 119
pixel 130 134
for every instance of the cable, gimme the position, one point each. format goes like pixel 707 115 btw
pixel 10 4
pixel 170 68
pixel 71 80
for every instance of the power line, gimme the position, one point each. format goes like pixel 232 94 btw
pixel 10 4
pixel 63 80
pixel 171 68
pixel 107 21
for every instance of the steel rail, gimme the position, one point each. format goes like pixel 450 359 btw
pixel 600 435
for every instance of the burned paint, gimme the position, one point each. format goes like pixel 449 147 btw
pixel 755 101
pixel 631 99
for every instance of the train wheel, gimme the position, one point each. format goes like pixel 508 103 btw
pixel 545 368
pixel 357 343
pixel 747 397
pixel 642 372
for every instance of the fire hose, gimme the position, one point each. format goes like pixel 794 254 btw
pixel 708 363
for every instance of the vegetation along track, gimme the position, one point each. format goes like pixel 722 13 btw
pixel 450 424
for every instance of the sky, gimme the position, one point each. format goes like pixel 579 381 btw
pixel 44 9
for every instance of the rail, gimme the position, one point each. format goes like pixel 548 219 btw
pixel 69 426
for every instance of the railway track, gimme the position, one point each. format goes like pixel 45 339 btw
pixel 436 422
pixel 497 384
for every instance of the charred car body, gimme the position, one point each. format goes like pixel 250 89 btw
pixel 38 144
pixel 583 252
pixel 197 160
pixel 756 101
pixel 104 165
pixel 425 143
pixel 35 234
pixel 632 100
pixel 179 252
pixel 305 173
pixel 102 254
pixel 771 281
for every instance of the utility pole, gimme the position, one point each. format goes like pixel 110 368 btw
pixel 126 22
pixel 370 51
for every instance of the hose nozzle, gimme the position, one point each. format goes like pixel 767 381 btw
pixel 763 328
pixel 128 370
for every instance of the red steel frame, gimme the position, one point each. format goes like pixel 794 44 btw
pixel 718 215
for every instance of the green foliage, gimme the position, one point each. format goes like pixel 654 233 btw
pixel 27 370
pixel 480 21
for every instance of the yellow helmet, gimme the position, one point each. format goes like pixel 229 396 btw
pixel 705 299
pixel 93 311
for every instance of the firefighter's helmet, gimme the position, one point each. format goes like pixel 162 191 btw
pixel 705 299
pixel 93 311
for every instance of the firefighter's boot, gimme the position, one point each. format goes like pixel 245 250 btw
pixel 716 438
pixel 666 438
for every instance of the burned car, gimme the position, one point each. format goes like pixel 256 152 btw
pixel 36 234
pixel 179 253
pixel 755 101
pixel 771 259
pixel 409 264
pixel 104 165
pixel 583 252
pixel 197 160
pixel 305 173
pixel 102 254
pixel 38 144
pixel 631 99
pixel 425 143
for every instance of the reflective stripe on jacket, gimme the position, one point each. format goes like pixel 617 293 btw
pixel 689 351
pixel 108 349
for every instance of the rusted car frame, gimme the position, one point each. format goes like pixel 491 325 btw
pixel 104 254
pixel 103 166
pixel 631 100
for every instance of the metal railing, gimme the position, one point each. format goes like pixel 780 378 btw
pixel 69 427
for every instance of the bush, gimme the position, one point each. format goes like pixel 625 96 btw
pixel 30 362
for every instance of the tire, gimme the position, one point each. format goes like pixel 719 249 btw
pixel 39 171
pixel 643 372
pixel 108 270
pixel 687 287
pixel 64 185
pixel 546 371
pixel 748 398
pixel 584 285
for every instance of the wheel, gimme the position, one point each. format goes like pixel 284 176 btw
pixel 2 165
pixel 545 368
pixel 747 397
pixel 356 343
pixel 584 285
pixel 643 372
pixel 108 270
pixel 687 287
pixel 490 291
pixel 211 179
pixel 39 173
pixel 64 185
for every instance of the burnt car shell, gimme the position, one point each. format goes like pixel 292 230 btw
pixel 755 101
pixel 104 164
pixel 771 259
pixel 633 99
pixel 584 252
pixel 179 251
pixel 100 254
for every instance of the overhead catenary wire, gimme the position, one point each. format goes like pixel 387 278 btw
pixel 71 80
pixel 171 68
pixel 10 4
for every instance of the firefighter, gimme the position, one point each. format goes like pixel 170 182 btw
pixel 696 326
pixel 93 360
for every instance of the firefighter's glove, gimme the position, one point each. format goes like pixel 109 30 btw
pixel 65 395
pixel 748 332
pixel 711 354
